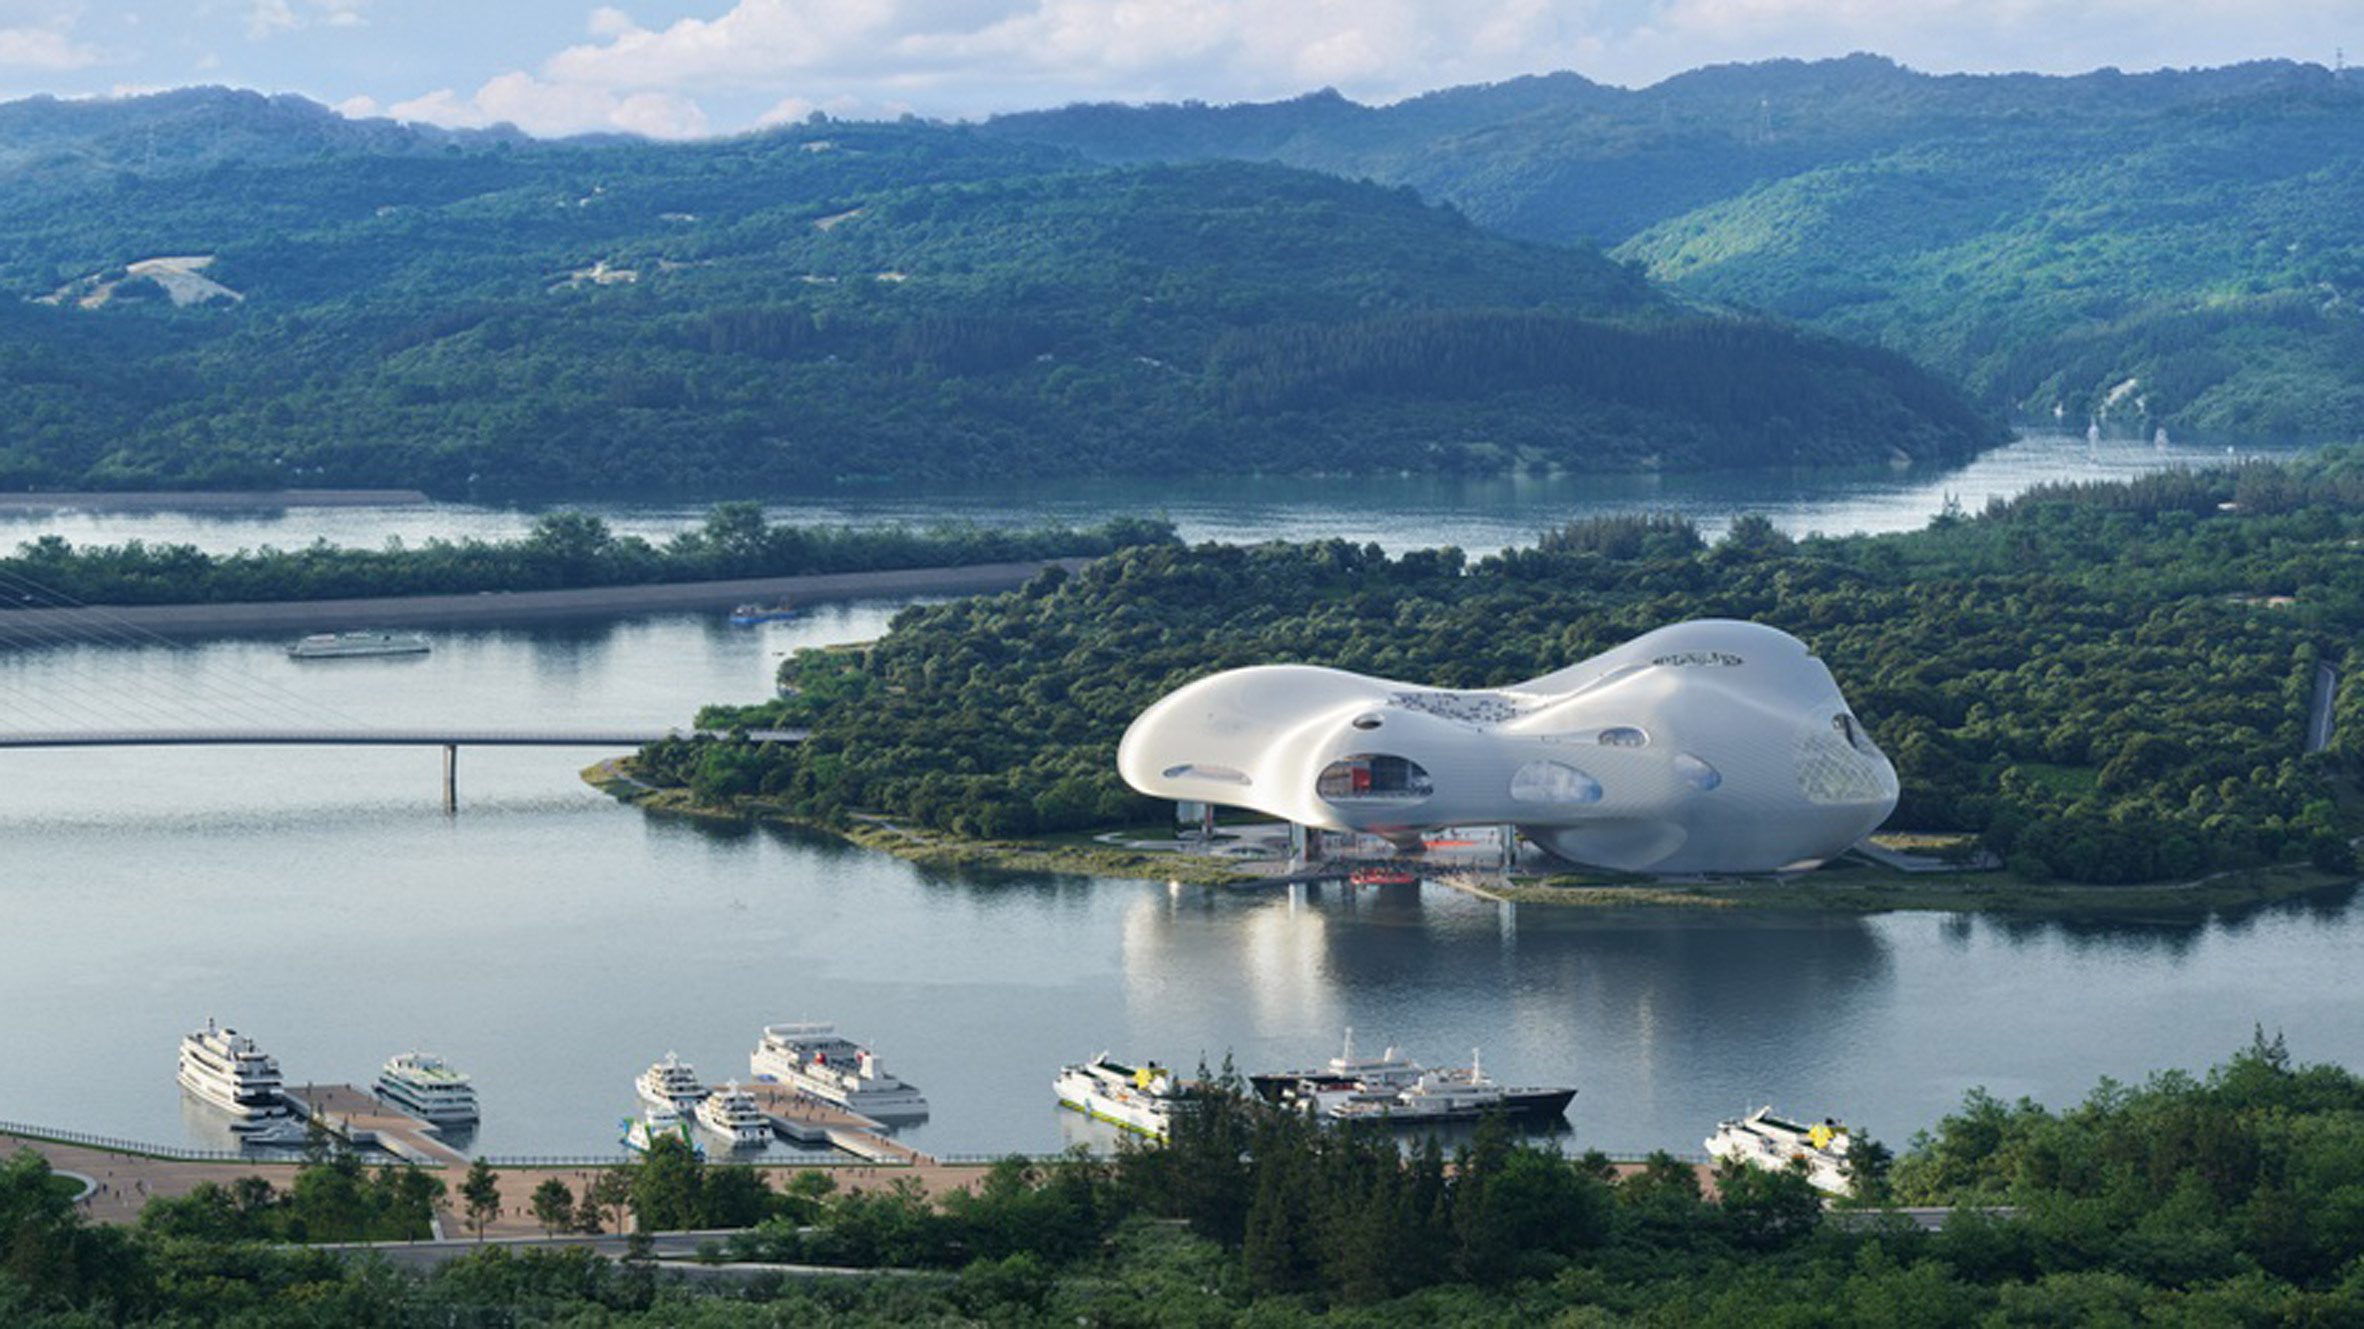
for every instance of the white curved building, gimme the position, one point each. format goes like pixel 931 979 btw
pixel 1708 746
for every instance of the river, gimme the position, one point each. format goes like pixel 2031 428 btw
pixel 1409 512
pixel 554 943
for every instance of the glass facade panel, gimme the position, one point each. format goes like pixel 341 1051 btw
pixel 1372 776
pixel 1552 782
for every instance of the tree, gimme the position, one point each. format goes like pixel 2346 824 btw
pixel 554 1206
pixel 481 1194
pixel 1867 1169
pixel 669 1191
pixel 610 1192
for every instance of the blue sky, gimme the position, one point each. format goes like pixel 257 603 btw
pixel 682 68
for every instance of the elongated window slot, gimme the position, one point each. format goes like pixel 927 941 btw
pixel 1201 771
pixel 1622 736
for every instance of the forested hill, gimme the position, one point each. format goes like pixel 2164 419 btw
pixel 215 288
pixel 2179 248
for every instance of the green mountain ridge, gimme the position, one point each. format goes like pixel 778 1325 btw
pixel 2045 240
pixel 482 313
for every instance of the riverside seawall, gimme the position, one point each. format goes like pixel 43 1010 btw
pixel 505 607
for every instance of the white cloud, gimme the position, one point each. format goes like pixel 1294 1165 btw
pixel 553 109
pixel 48 47
pixel 969 57
pixel 265 18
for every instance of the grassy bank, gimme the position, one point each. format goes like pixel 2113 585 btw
pixel 1858 888
pixel 1846 887
pixel 928 848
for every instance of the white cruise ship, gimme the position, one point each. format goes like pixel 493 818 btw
pixel 671 1084
pixel 641 1133
pixel 353 645
pixel 814 1058
pixel 1138 1098
pixel 428 1088
pixel 732 1113
pixel 1763 1140
pixel 224 1068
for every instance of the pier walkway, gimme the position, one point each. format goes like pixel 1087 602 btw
pixel 809 1120
pixel 361 1119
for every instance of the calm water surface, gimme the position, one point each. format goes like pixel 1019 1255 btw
pixel 554 943
pixel 1409 513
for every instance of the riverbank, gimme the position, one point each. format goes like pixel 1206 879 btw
pixel 917 845
pixel 491 608
pixel 1861 889
pixel 1844 887
pixel 225 500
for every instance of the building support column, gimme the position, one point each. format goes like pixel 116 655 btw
pixel 451 777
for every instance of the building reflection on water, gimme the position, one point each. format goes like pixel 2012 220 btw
pixel 1653 1016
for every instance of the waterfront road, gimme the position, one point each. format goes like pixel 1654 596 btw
pixel 112 622
pixel 128 1181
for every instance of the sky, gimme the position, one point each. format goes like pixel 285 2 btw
pixel 691 68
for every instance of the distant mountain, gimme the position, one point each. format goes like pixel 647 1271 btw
pixel 2179 249
pixel 217 288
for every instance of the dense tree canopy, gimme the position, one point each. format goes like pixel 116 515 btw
pixel 830 303
pixel 2171 248
pixel 2106 683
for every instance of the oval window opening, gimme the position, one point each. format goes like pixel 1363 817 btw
pixel 1366 721
pixel 1622 736
pixel 1372 777
pixel 1696 772
pixel 1553 782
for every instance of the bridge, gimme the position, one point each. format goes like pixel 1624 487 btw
pixel 450 740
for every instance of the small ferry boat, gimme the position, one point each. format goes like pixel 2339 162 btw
pixel 732 1113
pixel 748 614
pixel 817 1060
pixel 1763 1140
pixel 1400 1092
pixel 428 1088
pixel 352 645
pixel 1344 1071
pixel 225 1069
pixel 641 1133
pixel 1138 1098
pixel 1383 876
pixel 671 1084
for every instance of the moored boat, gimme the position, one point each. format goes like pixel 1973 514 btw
pixel 1395 1090
pixel 641 1133
pixel 816 1059
pixel 671 1084
pixel 1142 1099
pixel 352 645
pixel 732 1113
pixel 428 1088
pixel 747 614
pixel 1763 1140
pixel 1344 1071
pixel 224 1069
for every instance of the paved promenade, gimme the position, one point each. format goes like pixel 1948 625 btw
pixel 127 1181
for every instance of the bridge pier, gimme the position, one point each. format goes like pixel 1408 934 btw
pixel 451 777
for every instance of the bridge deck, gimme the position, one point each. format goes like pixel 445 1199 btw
pixel 367 738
